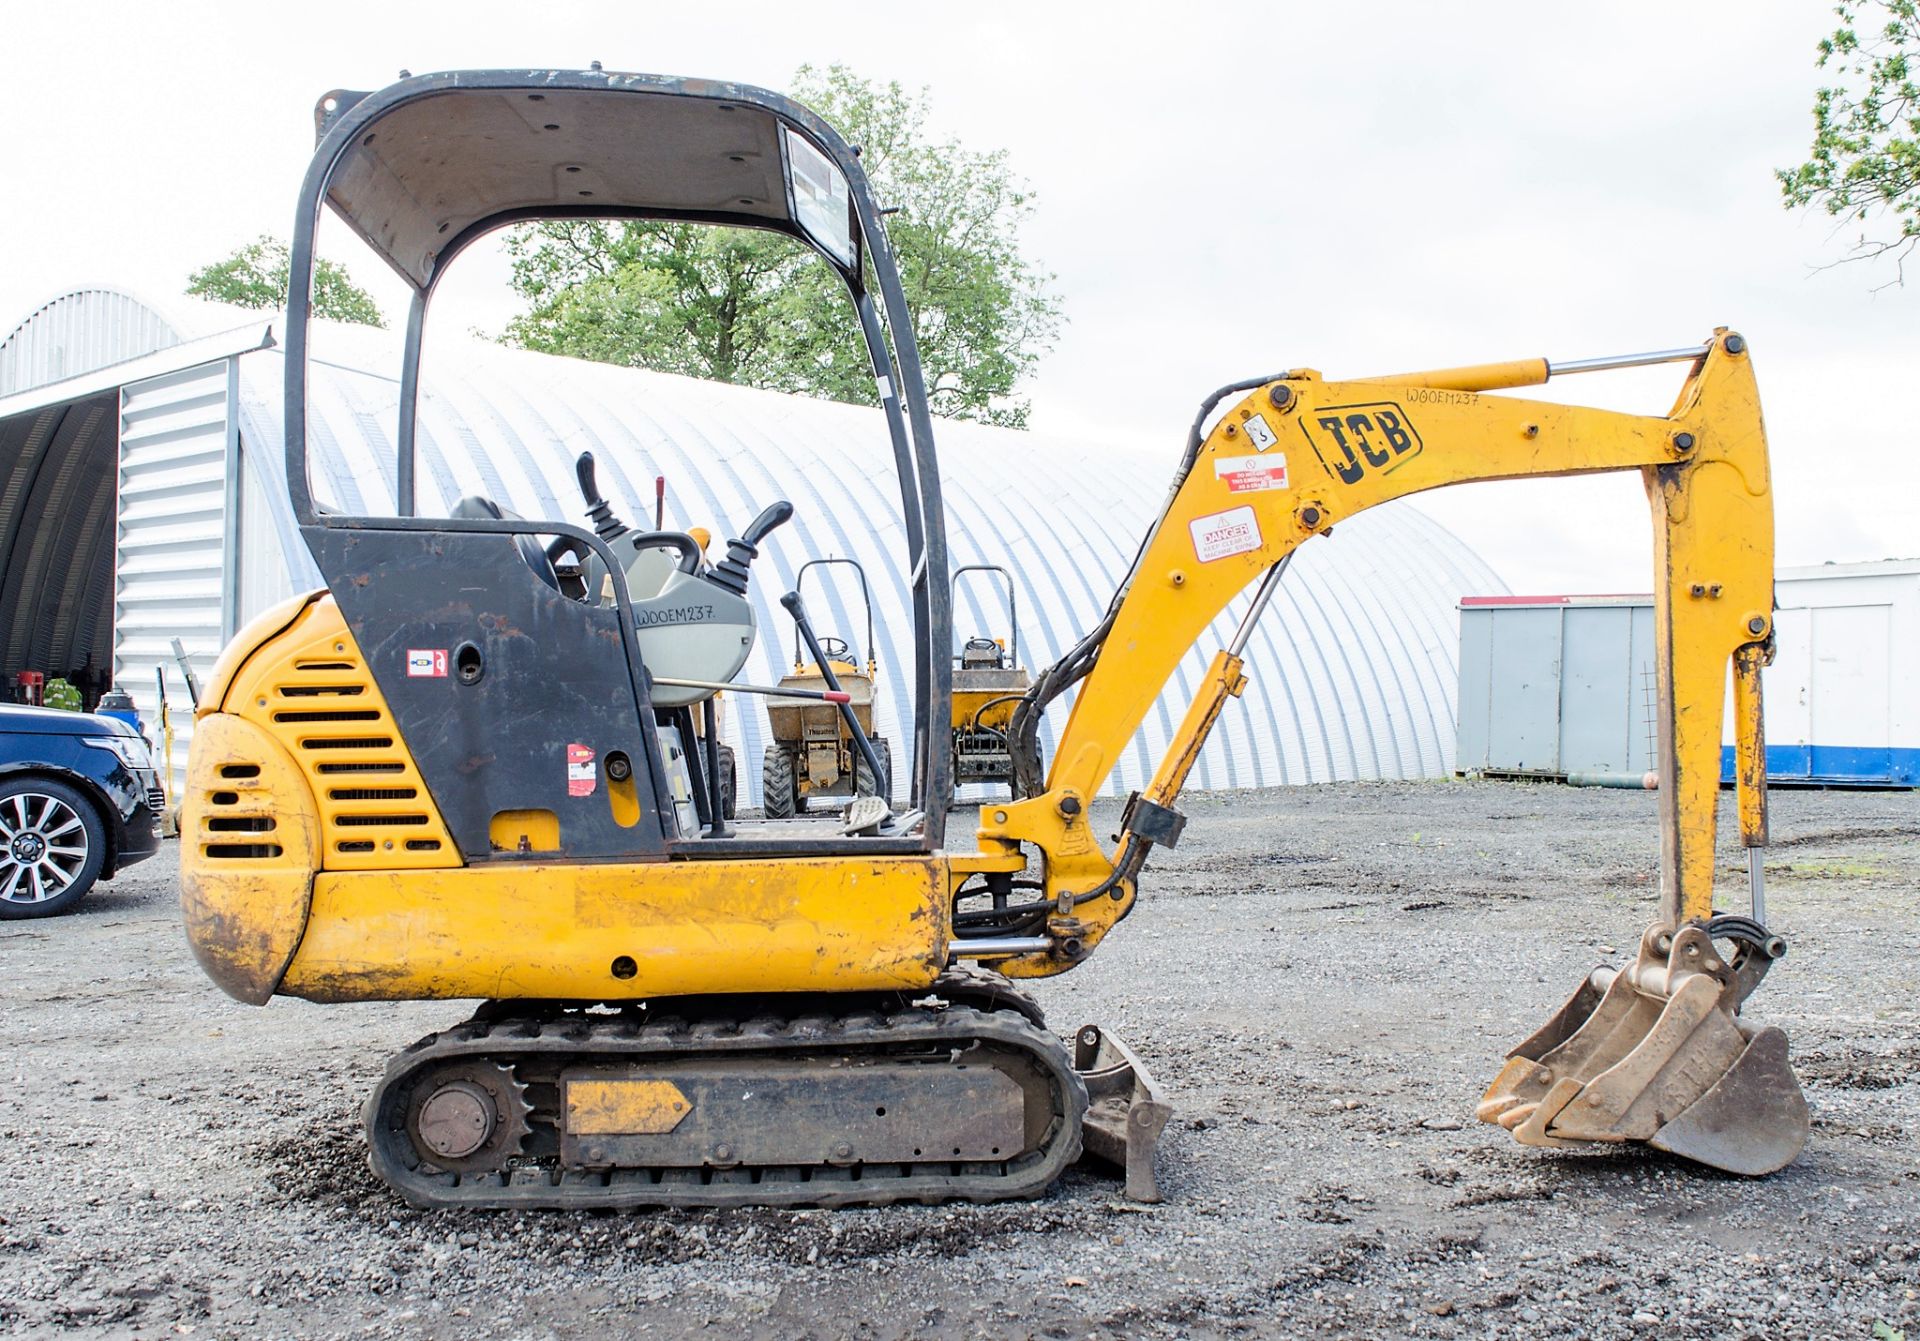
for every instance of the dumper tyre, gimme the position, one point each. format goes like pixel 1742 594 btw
pixel 729 784
pixel 863 784
pixel 778 796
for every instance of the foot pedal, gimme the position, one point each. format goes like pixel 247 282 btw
pixel 1126 1110
pixel 864 816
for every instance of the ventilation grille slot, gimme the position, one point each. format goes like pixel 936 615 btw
pixel 375 811
pixel 240 824
pixel 243 851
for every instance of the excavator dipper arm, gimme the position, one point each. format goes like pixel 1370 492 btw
pixel 1299 454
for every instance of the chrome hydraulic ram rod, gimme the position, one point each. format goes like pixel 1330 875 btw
pixel 1000 947
pixel 1690 354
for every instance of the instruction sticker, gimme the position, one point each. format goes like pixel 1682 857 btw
pixel 1225 534
pixel 1259 434
pixel 427 662
pixel 1249 474
pixel 581 774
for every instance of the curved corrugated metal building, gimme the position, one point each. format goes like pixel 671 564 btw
pixel 1353 667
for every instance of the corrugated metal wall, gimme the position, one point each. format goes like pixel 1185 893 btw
pixel 78 332
pixel 1354 669
pixel 56 537
pixel 173 522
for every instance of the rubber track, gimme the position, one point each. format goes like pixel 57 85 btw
pixel 573 1038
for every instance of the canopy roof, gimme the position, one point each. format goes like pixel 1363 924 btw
pixel 442 155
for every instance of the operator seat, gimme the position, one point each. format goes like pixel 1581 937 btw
pixel 475 508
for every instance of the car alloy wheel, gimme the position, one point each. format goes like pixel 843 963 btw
pixel 43 847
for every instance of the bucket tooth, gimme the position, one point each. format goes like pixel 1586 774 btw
pixel 1655 1053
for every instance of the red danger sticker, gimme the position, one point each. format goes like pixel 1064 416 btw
pixel 1250 474
pixel 581 775
pixel 428 662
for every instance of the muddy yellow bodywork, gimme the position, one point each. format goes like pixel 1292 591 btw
pixel 315 864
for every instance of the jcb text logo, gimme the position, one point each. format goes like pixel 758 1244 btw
pixel 1353 439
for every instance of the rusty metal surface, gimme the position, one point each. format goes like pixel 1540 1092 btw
pixel 1126 1109
pixel 467 1115
pixel 789 1111
pixel 1656 1053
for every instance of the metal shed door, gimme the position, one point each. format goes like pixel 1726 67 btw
pixel 1852 707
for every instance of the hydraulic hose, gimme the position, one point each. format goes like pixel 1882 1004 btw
pixel 1023 732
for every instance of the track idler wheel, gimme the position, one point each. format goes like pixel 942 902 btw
pixel 468 1117
pixel 1657 1053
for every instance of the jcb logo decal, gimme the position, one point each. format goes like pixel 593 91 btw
pixel 1353 439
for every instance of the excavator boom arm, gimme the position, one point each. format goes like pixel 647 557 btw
pixel 1300 454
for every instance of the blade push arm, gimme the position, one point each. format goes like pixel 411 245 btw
pixel 1300 454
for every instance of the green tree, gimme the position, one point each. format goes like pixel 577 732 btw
pixel 1865 162
pixel 757 308
pixel 256 276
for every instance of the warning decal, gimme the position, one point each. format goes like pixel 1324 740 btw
pixel 1246 474
pixel 1222 535
pixel 581 775
pixel 1259 434
pixel 430 662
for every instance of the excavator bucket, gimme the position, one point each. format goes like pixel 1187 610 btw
pixel 1656 1052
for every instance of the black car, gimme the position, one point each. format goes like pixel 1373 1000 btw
pixel 79 800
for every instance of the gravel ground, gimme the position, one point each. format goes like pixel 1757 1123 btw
pixel 1324 979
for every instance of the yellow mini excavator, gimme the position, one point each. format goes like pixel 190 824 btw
pixel 443 776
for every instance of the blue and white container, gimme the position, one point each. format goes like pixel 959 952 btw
pixel 1563 686
pixel 1843 692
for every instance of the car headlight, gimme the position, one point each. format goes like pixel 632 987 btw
pixel 132 750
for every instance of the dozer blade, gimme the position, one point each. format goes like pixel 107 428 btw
pixel 1657 1053
pixel 1126 1112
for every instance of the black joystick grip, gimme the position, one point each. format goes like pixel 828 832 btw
pixel 599 510
pixel 731 572
pixel 775 514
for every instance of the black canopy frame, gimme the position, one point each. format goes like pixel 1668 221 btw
pixel 349 126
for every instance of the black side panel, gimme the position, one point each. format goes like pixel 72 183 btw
pixel 553 677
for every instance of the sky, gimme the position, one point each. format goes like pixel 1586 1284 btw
pixel 1223 190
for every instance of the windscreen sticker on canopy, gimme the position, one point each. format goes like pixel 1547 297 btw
pixel 821 201
pixel 1221 535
